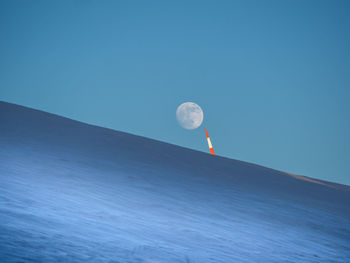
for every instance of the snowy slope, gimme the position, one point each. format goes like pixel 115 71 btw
pixel 73 192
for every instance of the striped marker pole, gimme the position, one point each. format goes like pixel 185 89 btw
pixel 209 143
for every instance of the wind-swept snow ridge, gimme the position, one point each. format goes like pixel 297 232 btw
pixel 73 192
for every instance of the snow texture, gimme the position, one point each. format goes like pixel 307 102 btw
pixel 73 192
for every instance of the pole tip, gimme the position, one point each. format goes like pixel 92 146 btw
pixel 206 132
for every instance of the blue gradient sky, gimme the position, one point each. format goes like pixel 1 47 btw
pixel 272 77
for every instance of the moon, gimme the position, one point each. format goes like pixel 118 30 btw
pixel 189 115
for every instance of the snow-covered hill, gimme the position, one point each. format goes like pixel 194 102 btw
pixel 73 192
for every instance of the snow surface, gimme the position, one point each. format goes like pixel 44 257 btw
pixel 73 192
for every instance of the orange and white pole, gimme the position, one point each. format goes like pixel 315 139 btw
pixel 209 143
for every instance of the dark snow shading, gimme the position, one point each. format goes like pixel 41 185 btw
pixel 73 192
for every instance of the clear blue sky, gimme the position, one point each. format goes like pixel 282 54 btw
pixel 272 77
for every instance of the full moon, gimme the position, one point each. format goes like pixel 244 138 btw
pixel 189 115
